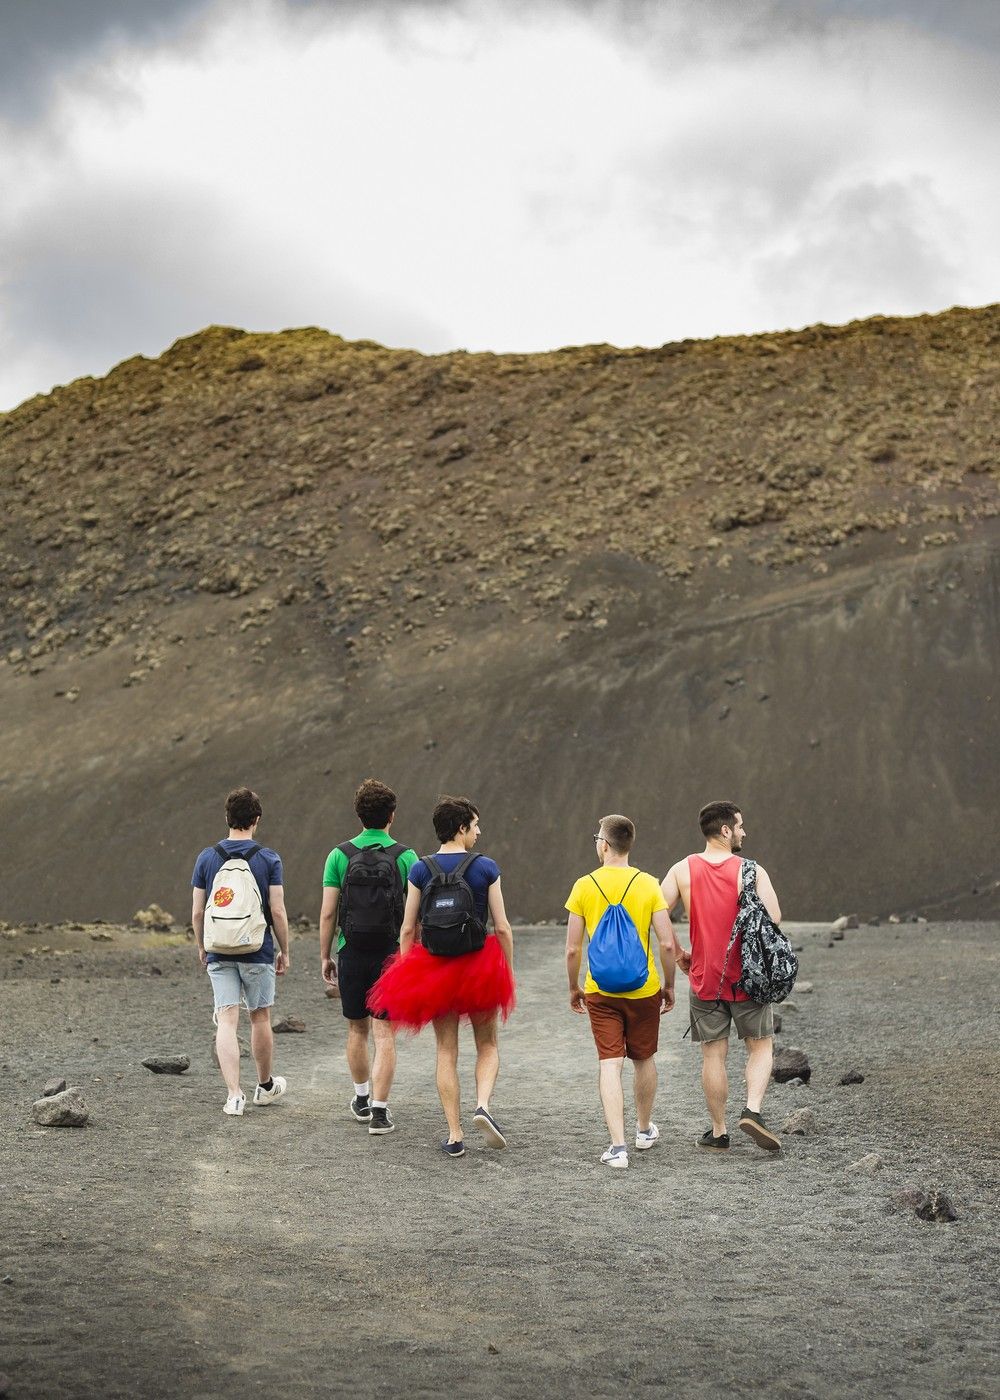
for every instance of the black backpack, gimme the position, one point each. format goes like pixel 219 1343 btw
pixel 371 909
pixel 449 924
pixel 769 965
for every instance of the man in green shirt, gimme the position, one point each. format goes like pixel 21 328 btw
pixel 364 882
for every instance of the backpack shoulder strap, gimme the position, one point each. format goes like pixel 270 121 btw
pixel 220 850
pixel 459 872
pixel 394 850
pixel 749 874
pixel 599 890
pixel 254 850
pixel 348 849
pixel 433 866
pixel 628 887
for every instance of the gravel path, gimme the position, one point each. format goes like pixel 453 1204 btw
pixel 165 1250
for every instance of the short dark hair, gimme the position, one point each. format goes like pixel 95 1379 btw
pixel 374 804
pixel 619 833
pixel 715 815
pixel 451 814
pixel 243 809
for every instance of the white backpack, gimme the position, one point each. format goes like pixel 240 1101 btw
pixel 234 912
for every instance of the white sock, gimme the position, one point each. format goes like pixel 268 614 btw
pixel 363 1090
pixel 380 1103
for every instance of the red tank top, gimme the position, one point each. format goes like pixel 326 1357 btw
pixel 715 898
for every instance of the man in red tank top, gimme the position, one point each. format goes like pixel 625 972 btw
pixel 709 885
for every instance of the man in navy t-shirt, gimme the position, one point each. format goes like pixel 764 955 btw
pixel 246 979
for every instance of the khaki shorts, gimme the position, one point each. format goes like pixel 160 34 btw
pixel 710 1020
pixel 624 1025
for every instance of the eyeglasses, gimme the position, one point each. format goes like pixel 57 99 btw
pixel 599 837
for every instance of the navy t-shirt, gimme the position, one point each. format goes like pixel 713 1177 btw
pixel 265 867
pixel 482 873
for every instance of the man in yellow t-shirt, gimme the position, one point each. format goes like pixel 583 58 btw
pixel 623 1023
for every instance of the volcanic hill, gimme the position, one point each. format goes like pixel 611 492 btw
pixel 588 581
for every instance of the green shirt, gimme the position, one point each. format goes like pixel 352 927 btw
pixel 336 863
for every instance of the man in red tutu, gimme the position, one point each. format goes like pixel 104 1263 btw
pixel 624 1023
pixel 458 968
pixel 364 882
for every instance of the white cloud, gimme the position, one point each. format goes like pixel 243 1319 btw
pixel 488 177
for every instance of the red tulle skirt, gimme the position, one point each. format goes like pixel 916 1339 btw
pixel 420 987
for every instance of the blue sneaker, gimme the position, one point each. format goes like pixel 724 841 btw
pixel 453 1149
pixel 489 1128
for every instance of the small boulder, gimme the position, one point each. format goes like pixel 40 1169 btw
pixel 937 1207
pixel 789 1064
pixel 845 921
pixel 53 1086
pixel 64 1110
pixel 852 1076
pixel 288 1025
pixel 867 1165
pixel 154 918
pixel 100 935
pixel 911 1196
pixel 804 987
pixel 894 919
pixel 796 1083
pixel 790 1005
pixel 801 1123
pixel 167 1064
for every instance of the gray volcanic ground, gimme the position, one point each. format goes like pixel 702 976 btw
pixel 596 580
pixel 165 1250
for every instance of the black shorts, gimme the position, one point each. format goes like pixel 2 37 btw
pixel 357 973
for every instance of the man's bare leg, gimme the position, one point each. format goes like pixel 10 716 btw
pixel 645 1091
pixel 609 1080
pixel 446 1035
pixel 715 1081
pixel 484 1028
pixel 384 1062
pixel 357 1049
pixel 227 1047
pixel 262 1042
pixel 760 1057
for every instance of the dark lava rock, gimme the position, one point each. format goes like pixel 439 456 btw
pixel 853 1076
pixel 790 1064
pixel 288 1025
pixel 64 1110
pixel 938 1208
pixel 54 1086
pixel 167 1064
pixel 911 1196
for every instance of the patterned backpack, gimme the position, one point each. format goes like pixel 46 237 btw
pixel 769 965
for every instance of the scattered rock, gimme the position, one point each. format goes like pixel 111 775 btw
pixel 875 922
pixel 790 1005
pixel 801 1123
pixel 790 1063
pixel 154 918
pixel 867 1165
pixel 64 1110
pixel 288 1025
pixel 937 1207
pixel 894 919
pixel 53 1086
pixel 100 935
pixel 803 987
pixel 493 1351
pixel 845 921
pixel 333 993
pixel 796 1083
pixel 911 1197
pixel 853 1076
pixel 167 1064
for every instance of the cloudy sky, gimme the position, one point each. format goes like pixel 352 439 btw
pixel 489 174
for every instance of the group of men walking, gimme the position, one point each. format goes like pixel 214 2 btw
pixel 406 941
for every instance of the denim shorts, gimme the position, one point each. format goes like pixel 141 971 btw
pixel 248 984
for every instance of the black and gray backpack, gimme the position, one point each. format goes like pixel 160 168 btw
pixel 449 924
pixel 769 965
pixel 371 908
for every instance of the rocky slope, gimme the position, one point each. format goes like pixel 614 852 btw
pixel 569 583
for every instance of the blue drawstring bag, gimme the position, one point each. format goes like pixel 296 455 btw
pixel 618 961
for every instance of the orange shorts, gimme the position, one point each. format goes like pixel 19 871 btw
pixel 624 1025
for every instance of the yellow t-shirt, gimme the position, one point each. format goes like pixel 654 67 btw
pixel 644 898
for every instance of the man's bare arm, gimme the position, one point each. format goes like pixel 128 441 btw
pixel 767 895
pixel 501 923
pixel 670 888
pixel 575 928
pixel 664 930
pixel 327 928
pixel 198 901
pixel 411 920
pixel 279 921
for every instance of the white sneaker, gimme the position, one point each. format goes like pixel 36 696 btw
pixel 235 1104
pixel 278 1087
pixel 615 1157
pixel 646 1137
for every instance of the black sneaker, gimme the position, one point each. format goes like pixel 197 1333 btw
pixel 753 1125
pixel 453 1149
pixel 361 1108
pixel 489 1127
pixel 381 1121
pixel 713 1143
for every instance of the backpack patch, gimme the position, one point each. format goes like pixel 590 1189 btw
pixel 618 962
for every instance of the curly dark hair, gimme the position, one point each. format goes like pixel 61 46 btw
pixel 243 809
pixel 715 815
pixel 451 814
pixel 374 804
